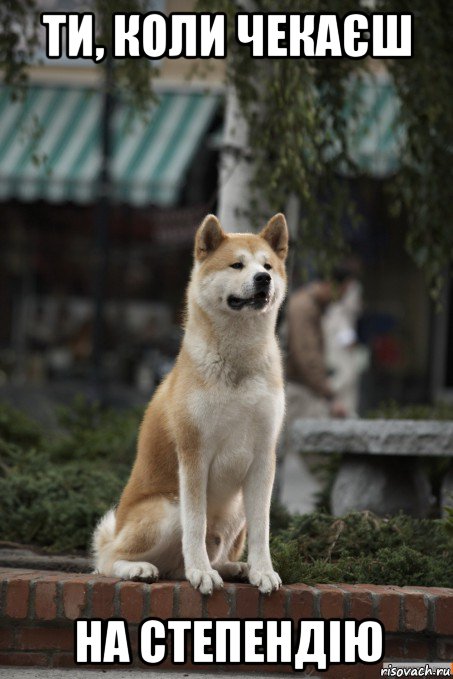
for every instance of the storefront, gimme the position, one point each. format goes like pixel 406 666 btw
pixel 163 179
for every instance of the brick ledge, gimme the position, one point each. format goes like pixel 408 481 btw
pixel 37 610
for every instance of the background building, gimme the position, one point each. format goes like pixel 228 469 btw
pixel 68 288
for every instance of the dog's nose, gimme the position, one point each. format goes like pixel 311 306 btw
pixel 262 279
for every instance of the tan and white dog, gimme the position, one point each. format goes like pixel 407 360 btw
pixel 206 451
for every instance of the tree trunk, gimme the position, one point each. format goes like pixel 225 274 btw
pixel 236 168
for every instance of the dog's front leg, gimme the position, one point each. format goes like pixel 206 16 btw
pixel 193 487
pixel 257 500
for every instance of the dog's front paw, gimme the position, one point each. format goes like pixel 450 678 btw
pixel 235 570
pixel 204 580
pixel 135 570
pixel 267 580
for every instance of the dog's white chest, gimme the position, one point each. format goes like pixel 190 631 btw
pixel 225 413
pixel 235 424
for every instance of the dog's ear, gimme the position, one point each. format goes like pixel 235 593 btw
pixel 276 234
pixel 209 236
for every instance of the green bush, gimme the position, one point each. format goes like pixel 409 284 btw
pixel 391 410
pixel 18 428
pixel 92 433
pixel 361 547
pixel 54 487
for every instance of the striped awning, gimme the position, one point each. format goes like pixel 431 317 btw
pixel 375 135
pixel 50 145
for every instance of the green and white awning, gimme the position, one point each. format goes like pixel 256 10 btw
pixel 50 142
pixel 375 136
pixel 50 145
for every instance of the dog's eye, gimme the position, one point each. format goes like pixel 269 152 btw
pixel 268 267
pixel 237 265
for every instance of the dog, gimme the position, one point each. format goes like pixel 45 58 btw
pixel 205 463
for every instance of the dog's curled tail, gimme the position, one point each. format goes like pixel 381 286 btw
pixel 102 542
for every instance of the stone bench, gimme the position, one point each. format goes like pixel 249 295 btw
pixel 380 469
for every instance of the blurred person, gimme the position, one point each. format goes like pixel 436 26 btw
pixel 309 391
pixel 346 358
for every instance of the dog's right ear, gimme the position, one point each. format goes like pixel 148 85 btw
pixel 208 238
pixel 276 234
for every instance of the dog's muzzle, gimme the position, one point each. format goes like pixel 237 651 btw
pixel 260 298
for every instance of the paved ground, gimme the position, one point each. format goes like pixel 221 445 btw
pixel 32 673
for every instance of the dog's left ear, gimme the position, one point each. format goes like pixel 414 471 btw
pixel 208 238
pixel 276 234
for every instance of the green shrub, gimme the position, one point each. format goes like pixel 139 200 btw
pixel 92 433
pixel 53 489
pixel 16 427
pixel 54 506
pixel 391 410
pixel 361 547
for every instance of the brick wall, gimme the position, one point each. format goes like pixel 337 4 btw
pixel 37 610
